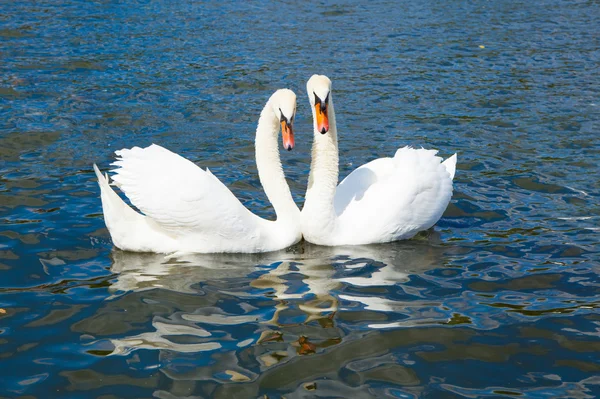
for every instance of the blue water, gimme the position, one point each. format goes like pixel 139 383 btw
pixel 499 300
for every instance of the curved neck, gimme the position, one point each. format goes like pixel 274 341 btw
pixel 270 171
pixel 323 177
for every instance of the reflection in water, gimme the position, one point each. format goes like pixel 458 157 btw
pixel 141 271
pixel 270 320
pixel 157 339
pixel 271 307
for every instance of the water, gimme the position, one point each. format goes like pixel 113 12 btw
pixel 499 300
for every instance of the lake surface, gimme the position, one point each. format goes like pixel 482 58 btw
pixel 499 300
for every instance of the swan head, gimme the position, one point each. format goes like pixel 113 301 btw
pixel 283 104
pixel 319 95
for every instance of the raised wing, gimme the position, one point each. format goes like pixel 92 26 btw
pixel 393 198
pixel 179 196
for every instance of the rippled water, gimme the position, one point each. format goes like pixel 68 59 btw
pixel 499 300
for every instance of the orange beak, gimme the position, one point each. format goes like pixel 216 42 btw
pixel 287 133
pixel 322 119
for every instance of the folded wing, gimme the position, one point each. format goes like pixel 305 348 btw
pixel 394 198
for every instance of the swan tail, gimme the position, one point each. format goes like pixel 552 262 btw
pixel 450 165
pixel 118 216
pixel 113 206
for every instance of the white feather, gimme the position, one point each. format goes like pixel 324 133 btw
pixel 187 209
pixel 180 196
pixel 391 199
pixel 384 200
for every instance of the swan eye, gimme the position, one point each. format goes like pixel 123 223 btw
pixel 317 99
pixel 282 118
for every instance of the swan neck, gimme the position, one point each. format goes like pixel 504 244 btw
pixel 270 170
pixel 323 177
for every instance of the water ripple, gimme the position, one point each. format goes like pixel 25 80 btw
pixel 500 299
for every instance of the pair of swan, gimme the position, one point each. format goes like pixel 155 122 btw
pixel 187 209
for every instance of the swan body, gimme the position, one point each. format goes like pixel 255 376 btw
pixel 188 210
pixel 385 200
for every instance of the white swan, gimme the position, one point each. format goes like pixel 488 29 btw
pixel 384 200
pixel 188 210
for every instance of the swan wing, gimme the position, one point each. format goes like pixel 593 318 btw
pixel 179 196
pixel 394 198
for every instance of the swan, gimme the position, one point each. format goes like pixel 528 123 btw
pixel 188 210
pixel 385 200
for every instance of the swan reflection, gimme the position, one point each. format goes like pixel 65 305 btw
pixel 156 339
pixel 277 306
pixel 144 271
